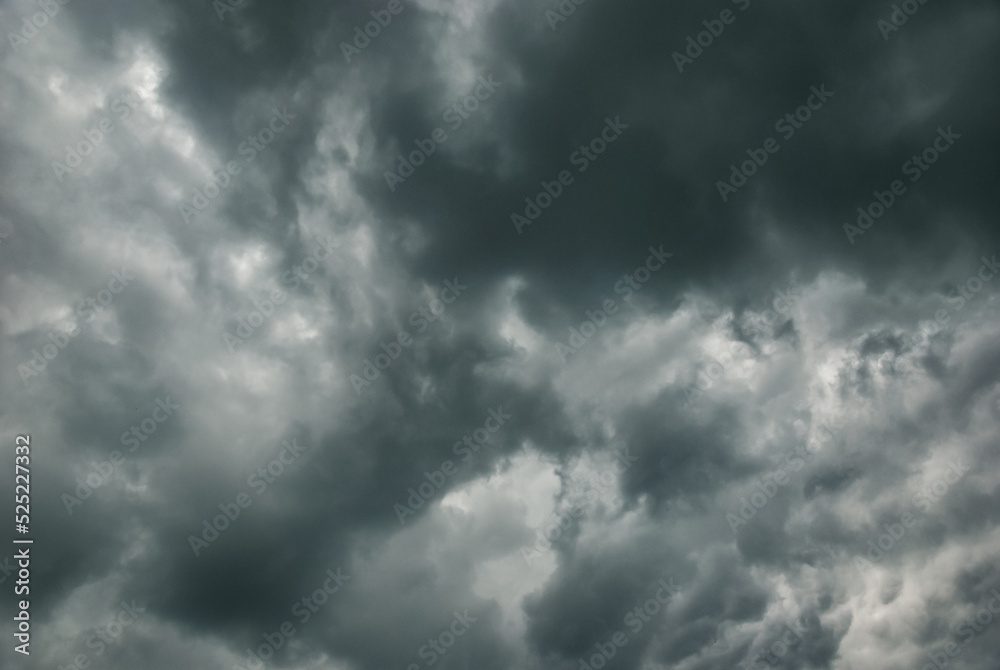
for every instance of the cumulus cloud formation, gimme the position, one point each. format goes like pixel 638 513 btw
pixel 495 334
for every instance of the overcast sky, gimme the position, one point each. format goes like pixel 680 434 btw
pixel 497 334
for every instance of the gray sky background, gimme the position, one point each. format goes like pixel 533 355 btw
pixel 859 365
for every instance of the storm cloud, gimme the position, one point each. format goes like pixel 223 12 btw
pixel 498 334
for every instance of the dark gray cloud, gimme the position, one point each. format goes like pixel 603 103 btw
pixel 804 396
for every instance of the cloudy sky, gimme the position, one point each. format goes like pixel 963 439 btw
pixel 497 334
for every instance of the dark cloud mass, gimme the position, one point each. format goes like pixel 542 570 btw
pixel 489 334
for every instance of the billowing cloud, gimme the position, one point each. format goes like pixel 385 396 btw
pixel 502 335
